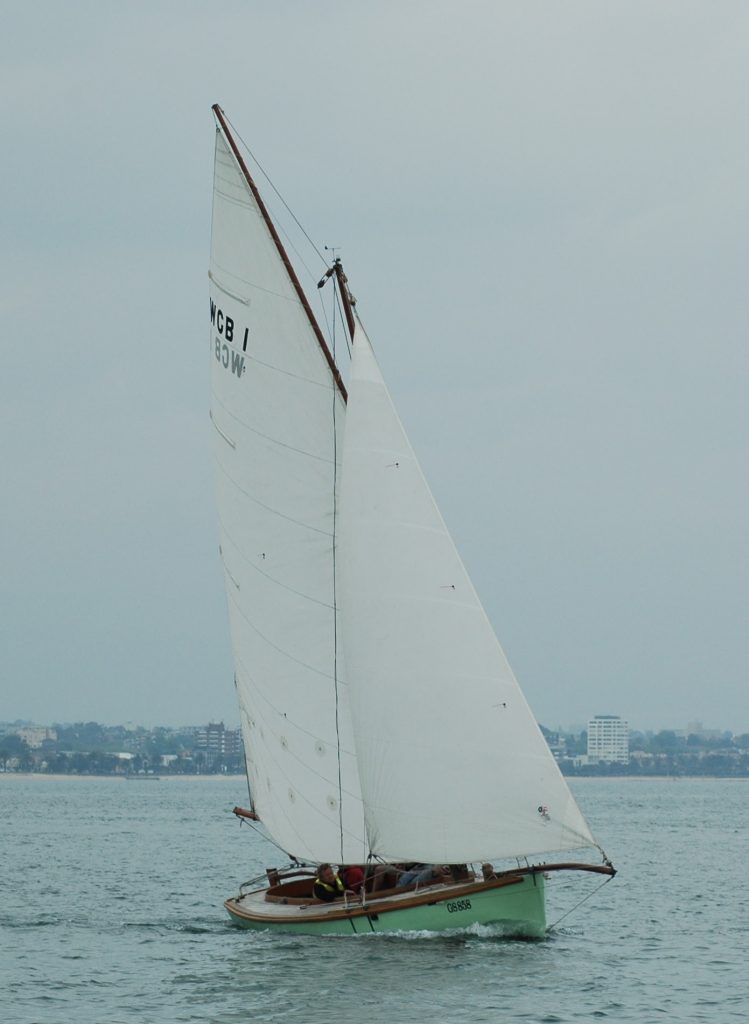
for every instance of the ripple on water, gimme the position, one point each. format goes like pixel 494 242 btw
pixel 133 928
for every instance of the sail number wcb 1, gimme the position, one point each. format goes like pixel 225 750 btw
pixel 224 327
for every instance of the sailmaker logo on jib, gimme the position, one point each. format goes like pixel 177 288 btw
pixel 224 341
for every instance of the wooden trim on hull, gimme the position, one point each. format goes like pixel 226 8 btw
pixel 599 869
pixel 343 912
pixel 515 905
pixel 512 899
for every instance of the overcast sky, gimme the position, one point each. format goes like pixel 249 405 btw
pixel 542 208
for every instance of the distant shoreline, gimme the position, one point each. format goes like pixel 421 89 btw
pixel 226 777
pixel 657 778
pixel 161 778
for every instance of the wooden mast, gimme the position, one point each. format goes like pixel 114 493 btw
pixel 219 115
pixel 347 298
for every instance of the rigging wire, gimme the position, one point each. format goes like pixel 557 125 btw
pixel 286 234
pixel 290 243
pixel 268 179
pixel 551 927
pixel 268 837
pixel 282 229
pixel 335 596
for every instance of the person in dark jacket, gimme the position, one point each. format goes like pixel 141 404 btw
pixel 327 885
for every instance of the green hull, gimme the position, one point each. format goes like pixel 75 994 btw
pixel 517 911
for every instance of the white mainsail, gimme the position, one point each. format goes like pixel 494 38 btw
pixel 453 766
pixel 278 418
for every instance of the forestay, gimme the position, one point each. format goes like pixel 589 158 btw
pixel 273 407
pixel 453 766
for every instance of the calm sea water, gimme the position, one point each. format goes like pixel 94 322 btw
pixel 111 911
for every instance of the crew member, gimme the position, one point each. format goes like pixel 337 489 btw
pixel 353 877
pixel 327 885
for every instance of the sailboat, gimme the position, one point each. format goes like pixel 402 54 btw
pixel 382 724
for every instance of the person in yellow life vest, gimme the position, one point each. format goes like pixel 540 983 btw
pixel 327 885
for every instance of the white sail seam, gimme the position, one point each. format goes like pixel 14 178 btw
pixel 235 200
pixel 257 287
pixel 220 431
pixel 294 299
pixel 297 793
pixel 410 455
pixel 215 265
pixel 257 690
pixel 231 187
pixel 248 561
pixel 269 642
pixel 267 437
pixel 304 764
pixel 288 373
pixel 227 291
pixel 278 804
pixel 280 807
pixel 273 511
pixel 299 728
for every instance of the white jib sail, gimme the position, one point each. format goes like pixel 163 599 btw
pixel 453 766
pixel 272 408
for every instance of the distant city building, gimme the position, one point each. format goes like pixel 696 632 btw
pixel 34 736
pixel 608 739
pixel 557 743
pixel 218 743
pixel 233 743
pixel 210 737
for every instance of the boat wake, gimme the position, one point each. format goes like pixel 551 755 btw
pixel 490 932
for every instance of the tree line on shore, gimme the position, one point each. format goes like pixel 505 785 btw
pixel 88 748
pixel 667 753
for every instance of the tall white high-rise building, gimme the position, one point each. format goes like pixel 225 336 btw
pixel 608 739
